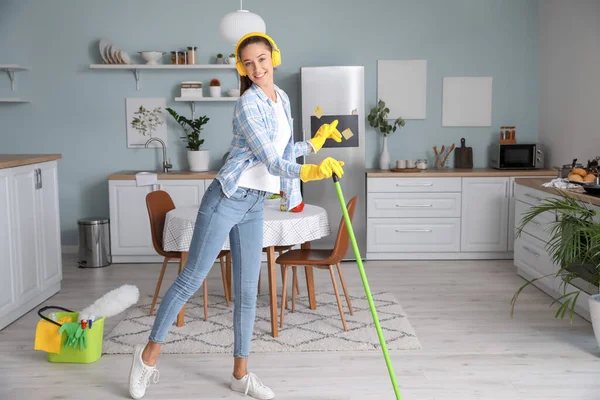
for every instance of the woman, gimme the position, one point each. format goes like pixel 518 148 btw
pixel 262 160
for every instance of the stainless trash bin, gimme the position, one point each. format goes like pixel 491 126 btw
pixel 94 242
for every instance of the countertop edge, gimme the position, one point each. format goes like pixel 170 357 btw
pixel 18 160
pixel 452 172
pixel 175 175
pixel 579 193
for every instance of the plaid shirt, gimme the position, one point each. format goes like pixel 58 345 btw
pixel 254 128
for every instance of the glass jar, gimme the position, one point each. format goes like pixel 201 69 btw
pixel 192 55
pixel 174 58
pixel 182 57
pixel 283 201
pixel 422 164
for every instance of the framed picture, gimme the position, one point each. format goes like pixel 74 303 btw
pixel 146 119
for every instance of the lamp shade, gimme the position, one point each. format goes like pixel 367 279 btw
pixel 239 23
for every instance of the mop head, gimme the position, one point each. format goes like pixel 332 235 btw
pixel 112 303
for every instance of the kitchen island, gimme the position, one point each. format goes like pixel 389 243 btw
pixel 531 256
pixel 30 240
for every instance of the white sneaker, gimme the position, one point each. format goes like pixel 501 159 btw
pixel 140 375
pixel 252 386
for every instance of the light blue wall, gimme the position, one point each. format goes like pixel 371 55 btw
pixel 80 113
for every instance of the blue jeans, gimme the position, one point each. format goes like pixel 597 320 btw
pixel 241 217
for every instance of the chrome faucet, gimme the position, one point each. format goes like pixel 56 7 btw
pixel 166 165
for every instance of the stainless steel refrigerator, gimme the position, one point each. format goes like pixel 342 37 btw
pixel 329 93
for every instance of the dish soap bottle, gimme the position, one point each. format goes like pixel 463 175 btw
pixel 283 201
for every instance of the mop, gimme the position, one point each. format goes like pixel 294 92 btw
pixel 388 362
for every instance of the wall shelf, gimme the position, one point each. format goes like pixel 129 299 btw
pixel 13 100
pixel 10 70
pixel 164 67
pixel 193 100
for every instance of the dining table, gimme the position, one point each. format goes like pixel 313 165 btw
pixel 280 228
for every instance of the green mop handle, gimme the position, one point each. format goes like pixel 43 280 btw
pixel 388 362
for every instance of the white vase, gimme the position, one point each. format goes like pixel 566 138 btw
pixel 384 159
pixel 594 301
pixel 198 160
pixel 215 91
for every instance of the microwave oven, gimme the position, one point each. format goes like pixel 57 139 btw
pixel 516 156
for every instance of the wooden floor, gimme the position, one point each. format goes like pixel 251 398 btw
pixel 471 348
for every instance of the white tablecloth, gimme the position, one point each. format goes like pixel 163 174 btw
pixel 279 228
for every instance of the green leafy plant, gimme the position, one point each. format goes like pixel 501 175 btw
pixel 574 247
pixel 378 119
pixel 146 121
pixel 219 55
pixel 232 55
pixel 192 129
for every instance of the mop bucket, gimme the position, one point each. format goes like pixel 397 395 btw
pixel 94 336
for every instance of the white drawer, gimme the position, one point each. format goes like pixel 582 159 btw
pixel 413 205
pixel 531 196
pixel 539 227
pixel 413 235
pixel 399 185
pixel 531 255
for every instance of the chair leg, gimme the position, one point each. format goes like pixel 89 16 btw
pixel 158 284
pixel 205 299
pixel 339 268
pixel 337 296
pixel 283 294
pixel 181 315
pixel 224 277
pixel 294 285
pixel 284 302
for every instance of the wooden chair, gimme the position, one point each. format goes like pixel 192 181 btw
pixel 322 259
pixel 159 203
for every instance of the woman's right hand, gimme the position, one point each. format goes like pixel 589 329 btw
pixel 325 169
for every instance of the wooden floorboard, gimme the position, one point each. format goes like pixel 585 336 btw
pixel 471 348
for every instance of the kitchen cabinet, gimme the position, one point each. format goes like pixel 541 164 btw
pixel 485 214
pixel 442 214
pixel 131 240
pixel 30 238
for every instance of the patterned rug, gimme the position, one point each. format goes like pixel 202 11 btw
pixel 304 330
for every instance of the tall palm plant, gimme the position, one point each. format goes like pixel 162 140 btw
pixel 574 246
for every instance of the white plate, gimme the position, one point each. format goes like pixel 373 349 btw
pixel 125 57
pixel 114 54
pixel 102 45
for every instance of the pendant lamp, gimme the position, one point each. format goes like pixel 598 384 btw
pixel 239 23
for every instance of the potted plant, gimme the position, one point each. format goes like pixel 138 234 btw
pixel 197 159
pixel 232 59
pixel 215 88
pixel 378 119
pixel 219 58
pixel 574 247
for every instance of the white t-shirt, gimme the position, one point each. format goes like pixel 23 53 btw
pixel 257 176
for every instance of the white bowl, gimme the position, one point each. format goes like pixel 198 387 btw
pixel 233 92
pixel 151 57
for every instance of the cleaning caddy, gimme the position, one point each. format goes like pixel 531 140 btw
pixel 76 337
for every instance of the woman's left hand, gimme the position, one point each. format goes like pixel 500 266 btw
pixel 326 131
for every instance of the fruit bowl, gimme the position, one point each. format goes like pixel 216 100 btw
pixel 151 57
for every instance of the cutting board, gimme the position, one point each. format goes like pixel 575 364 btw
pixel 463 156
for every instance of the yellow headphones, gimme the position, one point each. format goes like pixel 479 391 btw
pixel 275 54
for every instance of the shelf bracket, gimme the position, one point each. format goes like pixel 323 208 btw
pixel 193 109
pixel 136 73
pixel 11 75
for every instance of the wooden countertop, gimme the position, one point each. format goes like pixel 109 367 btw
pixel 456 172
pixel 16 160
pixel 578 193
pixel 130 175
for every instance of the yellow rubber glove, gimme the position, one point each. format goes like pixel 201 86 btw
pixel 325 132
pixel 325 169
